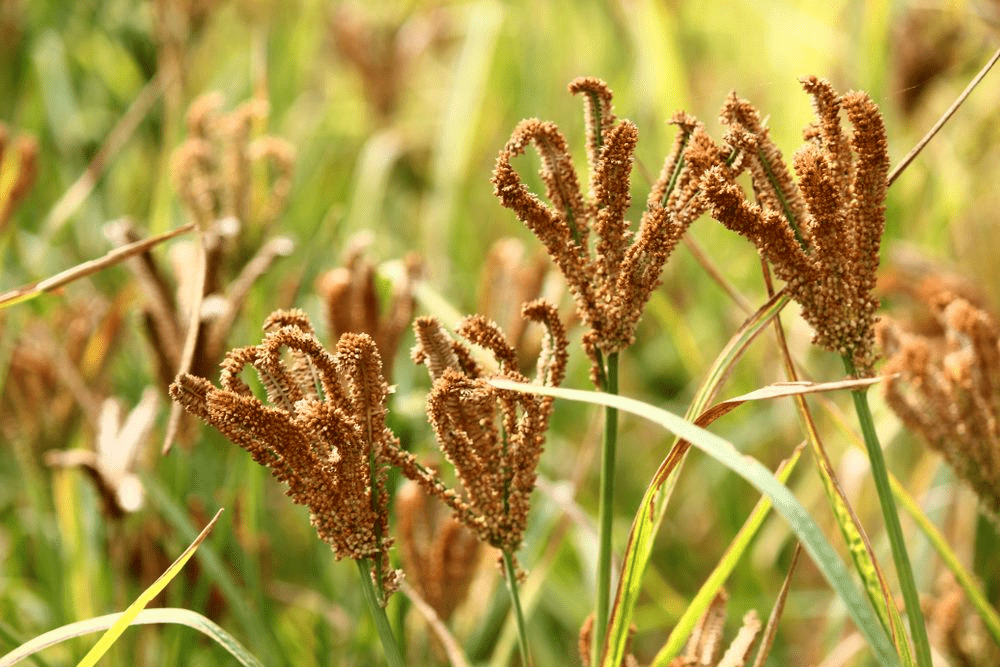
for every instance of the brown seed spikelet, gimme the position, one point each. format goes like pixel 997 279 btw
pixel 492 438
pixel 512 275
pixel 706 639
pixel 612 281
pixel 439 553
pixel 352 302
pixel 822 234
pixel 947 389
pixel 323 433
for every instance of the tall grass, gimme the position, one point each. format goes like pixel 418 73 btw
pixel 103 88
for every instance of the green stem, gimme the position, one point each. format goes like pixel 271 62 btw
pixel 892 526
pixel 605 516
pixel 393 656
pixel 989 615
pixel 510 574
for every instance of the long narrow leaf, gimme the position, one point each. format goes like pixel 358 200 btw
pixel 113 257
pixel 249 616
pixel 640 543
pixel 750 469
pixel 639 547
pixel 734 552
pixel 127 616
pixel 873 580
pixel 166 615
pixel 989 616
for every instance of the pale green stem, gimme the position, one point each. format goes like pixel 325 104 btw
pixel 605 511
pixel 510 573
pixel 904 571
pixel 989 615
pixel 393 656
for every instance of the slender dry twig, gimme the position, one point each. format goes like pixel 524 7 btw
pixel 909 157
pixel 87 268
pixel 77 193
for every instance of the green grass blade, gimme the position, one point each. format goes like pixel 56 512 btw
pixel 393 656
pixel 640 544
pixel 466 101
pixel 167 615
pixel 733 350
pixel 873 579
pixel 682 630
pixel 127 616
pixel 989 615
pixel 750 469
pixel 639 549
pixel 893 527
pixel 605 516
pixel 248 616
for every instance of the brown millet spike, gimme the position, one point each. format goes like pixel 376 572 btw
pixel 331 451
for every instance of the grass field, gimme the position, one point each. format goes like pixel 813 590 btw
pixel 378 126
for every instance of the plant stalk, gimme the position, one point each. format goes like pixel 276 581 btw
pixel 605 511
pixel 904 571
pixel 510 574
pixel 393 656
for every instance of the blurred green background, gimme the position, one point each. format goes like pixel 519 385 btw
pixel 397 111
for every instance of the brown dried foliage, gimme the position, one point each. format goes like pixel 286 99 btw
pixel 214 172
pixel 822 233
pixel 612 278
pixel 439 554
pixel 352 302
pixel 113 461
pixel 706 639
pixel 323 433
pixel 947 389
pixel 17 171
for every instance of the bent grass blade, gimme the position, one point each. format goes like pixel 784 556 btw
pixel 658 493
pixel 159 616
pixel 115 624
pixel 750 469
